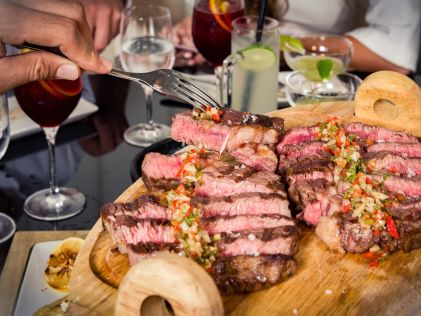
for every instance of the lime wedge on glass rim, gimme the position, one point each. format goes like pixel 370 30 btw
pixel 257 57
pixel 291 44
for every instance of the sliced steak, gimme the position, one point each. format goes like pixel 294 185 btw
pixel 412 150
pixel 236 118
pixel 256 156
pixel 378 134
pixel 220 182
pixel 315 198
pixel 296 136
pixel 342 234
pixel 244 223
pixel 242 274
pixel 263 241
pixel 225 135
pixel 409 209
pixel 309 169
pixel 243 204
pixel 410 187
pixel 293 154
pixel 393 163
pixel 159 172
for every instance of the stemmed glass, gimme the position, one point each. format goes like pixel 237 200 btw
pixel 49 103
pixel 211 29
pixel 146 45
pixel 7 224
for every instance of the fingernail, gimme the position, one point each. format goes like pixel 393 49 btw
pixel 108 64
pixel 68 72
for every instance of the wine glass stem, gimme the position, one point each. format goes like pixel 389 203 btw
pixel 50 135
pixel 148 95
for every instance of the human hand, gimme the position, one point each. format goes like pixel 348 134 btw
pixel 50 23
pixel 187 54
pixel 104 20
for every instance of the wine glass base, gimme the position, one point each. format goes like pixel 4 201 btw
pixel 45 206
pixel 144 135
pixel 7 227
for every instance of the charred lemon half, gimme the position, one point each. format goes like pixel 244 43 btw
pixel 60 263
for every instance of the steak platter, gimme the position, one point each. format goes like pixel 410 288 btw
pixel 235 197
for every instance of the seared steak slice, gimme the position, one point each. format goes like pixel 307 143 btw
pixel 293 154
pixel 393 163
pixel 309 169
pixel 227 135
pixel 243 204
pixel 378 134
pixel 242 274
pixel 412 150
pixel 409 209
pixel 244 223
pixel 297 135
pixel 235 118
pixel 256 156
pixel 342 233
pixel 220 182
pixel 410 187
pixel 160 171
pixel 262 241
pixel 315 198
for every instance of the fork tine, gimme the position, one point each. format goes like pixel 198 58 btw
pixel 189 85
pixel 189 99
pixel 186 90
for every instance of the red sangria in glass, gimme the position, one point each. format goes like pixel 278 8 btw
pixel 212 25
pixel 211 30
pixel 49 103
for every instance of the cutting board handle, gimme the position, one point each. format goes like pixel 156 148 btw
pixel 390 99
pixel 170 278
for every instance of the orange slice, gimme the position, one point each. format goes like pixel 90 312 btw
pixel 218 8
pixel 57 91
pixel 72 90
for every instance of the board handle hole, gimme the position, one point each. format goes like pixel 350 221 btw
pixel 156 306
pixel 386 109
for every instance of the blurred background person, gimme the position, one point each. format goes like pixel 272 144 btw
pixel 385 33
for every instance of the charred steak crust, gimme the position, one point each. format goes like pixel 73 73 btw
pixel 242 274
pixel 237 118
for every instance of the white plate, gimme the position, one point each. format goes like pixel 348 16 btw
pixel 208 83
pixel 21 124
pixel 34 291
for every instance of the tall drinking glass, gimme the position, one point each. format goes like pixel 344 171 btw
pixel 251 72
pixel 211 29
pixel 49 103
pixel 7 224
pixel 146 45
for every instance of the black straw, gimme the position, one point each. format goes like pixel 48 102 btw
pixel 260 22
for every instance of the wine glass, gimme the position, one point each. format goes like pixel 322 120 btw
pixel 211 29
pixel 49 103
pixel 146 45
pixel 7 224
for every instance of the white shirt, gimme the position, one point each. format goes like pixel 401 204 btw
pixel 390 28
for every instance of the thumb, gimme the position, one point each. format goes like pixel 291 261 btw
pixel 21 69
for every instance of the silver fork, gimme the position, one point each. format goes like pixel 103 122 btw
pixel 164 81
pixel 171 82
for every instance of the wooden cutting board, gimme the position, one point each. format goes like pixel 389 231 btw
pixel 326 283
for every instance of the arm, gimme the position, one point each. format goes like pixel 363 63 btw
pixel 390 40
pixel 364 59
pixel 59 24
